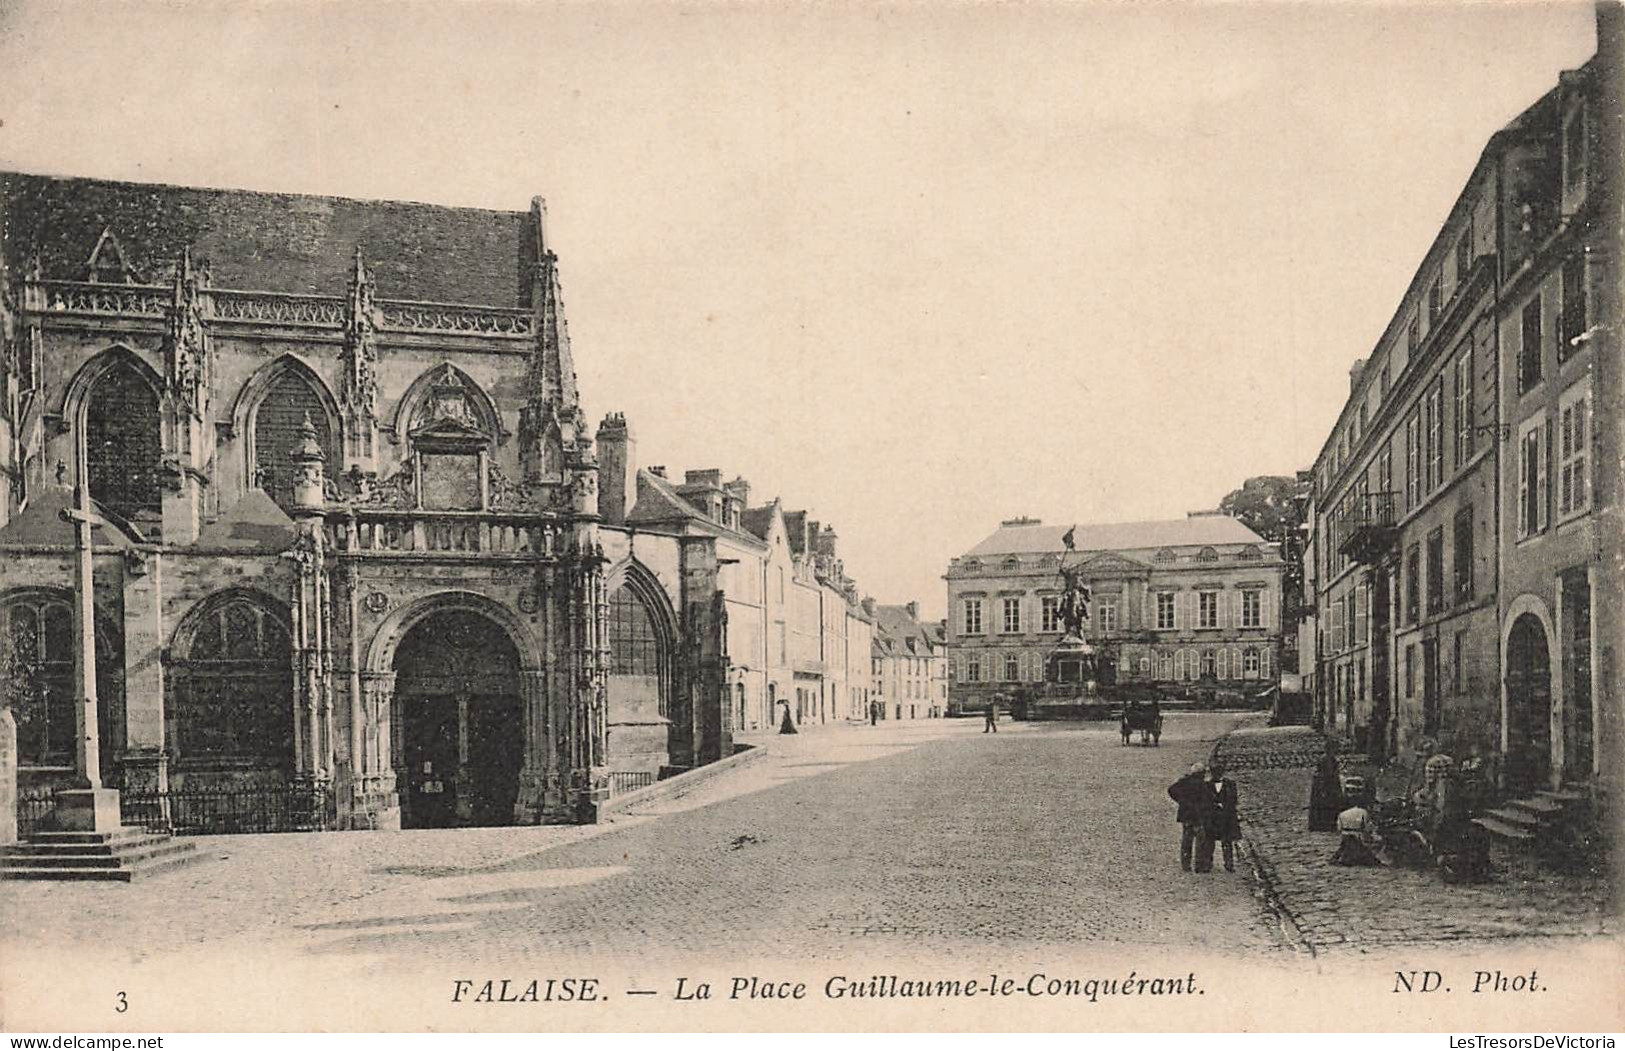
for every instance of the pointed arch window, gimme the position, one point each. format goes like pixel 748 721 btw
pixel 124 445
pixel 232 679
pixel 278 418
pixel 636 647
pixel 36 679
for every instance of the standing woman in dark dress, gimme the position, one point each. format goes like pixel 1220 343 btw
pixel 1325 794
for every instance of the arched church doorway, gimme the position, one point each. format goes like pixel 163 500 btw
pixel 1529 705
pixel 457 688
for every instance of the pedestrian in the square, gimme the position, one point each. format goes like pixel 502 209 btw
pixel 1189 793
pixel 1325 794
pixel 1223 823
pixel 992 724
pixel 874 713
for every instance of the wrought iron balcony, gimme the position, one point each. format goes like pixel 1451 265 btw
pixel 1367 529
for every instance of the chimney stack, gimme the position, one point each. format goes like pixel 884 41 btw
pixel 617 469
pixel 913 611
pixel 1356 370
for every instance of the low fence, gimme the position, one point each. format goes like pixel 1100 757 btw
pixel 201 811
pixel 623 781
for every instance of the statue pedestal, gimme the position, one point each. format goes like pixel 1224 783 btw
pixel 87 810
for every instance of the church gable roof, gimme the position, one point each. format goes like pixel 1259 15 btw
pixel 273 242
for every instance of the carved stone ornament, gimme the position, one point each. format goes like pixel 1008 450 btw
pixel 376 602
pixel 186 351
pixel 509 495
pixel 397 492
pixel 360 391
pixel 527 602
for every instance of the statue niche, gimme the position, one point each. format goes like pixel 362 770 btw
pixel 451 440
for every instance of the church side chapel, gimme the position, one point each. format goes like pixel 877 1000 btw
pixel 347 563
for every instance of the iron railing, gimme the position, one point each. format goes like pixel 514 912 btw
pixel 301 806
pixel 623 781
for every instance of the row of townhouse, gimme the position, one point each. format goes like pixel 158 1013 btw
pixel 1183 607
pixel 797 638
pixel 1463 531
pixel 910 664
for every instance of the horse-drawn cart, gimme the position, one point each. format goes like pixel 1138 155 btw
pixel 1146 720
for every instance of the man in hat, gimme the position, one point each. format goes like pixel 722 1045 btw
pixel 1223 822
pixel 1189 793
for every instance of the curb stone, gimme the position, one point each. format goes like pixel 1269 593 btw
pixel 1266 881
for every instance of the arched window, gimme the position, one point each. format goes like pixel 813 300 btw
pixel 1165 555
pixel 1250 551
pixel 635 643
pixel 278 420
pixel 124 445
pixel 36 679
pixel 1209 669
pixel 1207 554
pixel 1249 662
pixel 233 684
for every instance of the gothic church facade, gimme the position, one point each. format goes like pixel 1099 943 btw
pixel 351 557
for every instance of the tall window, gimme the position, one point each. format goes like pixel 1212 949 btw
pixel 1435 437
pixel 1573 323
pixel 1106 615
pixel 1573 482
pixel 1207 615
pixel 1574 151
pixel 1012 668
pixel 1464 407
pixel 1531 482
pixel 1165 611
pixel 124 446
pixel 1460 662
pixel 1249 663
pixel 1359 608
pixel 634 643
pixel 1413 462
pixel 1012 616
pixel 277 424
pixel 1385 469
pixel 1529 351
pixel 973 668
pixel 1463 554
pixel 973 616
pixel 1464 254
pixel 1413 583
pixel 1384 381
pixel 1436 570
pixel 233 684
pixel 1435 298
pixel 1413 334
pixel 1049 613
pixel 1252 608
pixel 1209 665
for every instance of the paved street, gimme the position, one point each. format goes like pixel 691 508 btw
pixel 895 839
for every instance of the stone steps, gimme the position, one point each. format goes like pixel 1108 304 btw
pixel 1546 816
pixel 117 856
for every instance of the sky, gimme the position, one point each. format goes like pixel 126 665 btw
pixel 916 268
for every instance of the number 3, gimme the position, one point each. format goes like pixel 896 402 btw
pixel 123 1003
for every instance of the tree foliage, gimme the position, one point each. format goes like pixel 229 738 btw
pixel 1263 504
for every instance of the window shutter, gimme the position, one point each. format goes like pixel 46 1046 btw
pixel 1264 661
pixel 1224 663
pixel 1266 608
pixel 1147 609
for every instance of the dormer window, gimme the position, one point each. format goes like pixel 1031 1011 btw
pixel 107 264
pixel 1207 554
pixel 1165 555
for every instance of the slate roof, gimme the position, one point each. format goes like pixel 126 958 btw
pixel 757 521
pixel 253 524
pixel 894 625
pixel 659 502
pixel 274 242
pixel 1117 536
